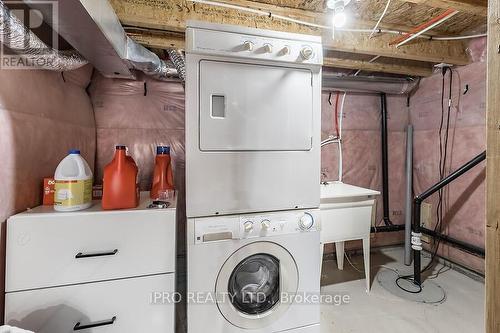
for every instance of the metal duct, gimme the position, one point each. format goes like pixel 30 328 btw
pixel 23 41
pixel 93 28
pixel 369 84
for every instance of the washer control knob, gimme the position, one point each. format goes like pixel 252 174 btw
pixel 306 221
pixel 268 48
pixel 285 51
pixel 248 46
pixel 266 224
pixel 248 226
pixel 307 53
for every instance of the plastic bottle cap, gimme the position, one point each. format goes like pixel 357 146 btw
pixel 74 152
pixel 121 147
pixel 162 150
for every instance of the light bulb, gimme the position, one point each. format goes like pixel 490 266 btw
pixel 339 19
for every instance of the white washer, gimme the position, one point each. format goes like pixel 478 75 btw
pixel 254 273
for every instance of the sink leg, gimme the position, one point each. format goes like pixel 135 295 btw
pixel 366 255
pixel 339 250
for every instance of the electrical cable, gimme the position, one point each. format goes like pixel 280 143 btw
pixel 380 19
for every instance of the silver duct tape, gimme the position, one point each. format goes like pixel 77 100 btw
pixel 149 63
pixel 179 62
pixel 28 46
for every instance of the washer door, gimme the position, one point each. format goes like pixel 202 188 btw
pixel 252 282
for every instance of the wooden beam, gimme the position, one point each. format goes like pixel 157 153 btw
pixel 379 67
pixel 492 172
pixel 156 40
pixel 475 7
pixel 451 52
pixel 171 15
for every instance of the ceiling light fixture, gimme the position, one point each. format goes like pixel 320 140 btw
pixel 339 17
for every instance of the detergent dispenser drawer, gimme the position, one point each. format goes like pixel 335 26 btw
pixel 248 107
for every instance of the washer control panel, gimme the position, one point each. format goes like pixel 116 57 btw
pixel 265 225
pixel 224 228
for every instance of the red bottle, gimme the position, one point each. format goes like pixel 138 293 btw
pixel 120 188
pixel 163 178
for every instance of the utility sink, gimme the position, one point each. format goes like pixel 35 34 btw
pixel 334 192
pixel 347 214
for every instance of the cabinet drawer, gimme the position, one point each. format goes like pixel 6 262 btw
pixel 50 250
pixel 128 301
pixel 343 223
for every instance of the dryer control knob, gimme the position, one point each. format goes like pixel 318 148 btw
pixel 268 48
pixel 285 51
pixel 307 53
pixel 248 46
pixel 306 221
pixel 266 224
pixel 248 226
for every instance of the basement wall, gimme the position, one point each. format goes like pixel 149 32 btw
pixel 465 198
pixel 42 115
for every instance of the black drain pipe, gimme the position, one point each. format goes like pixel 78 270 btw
pixel 417 203
pixel 385 161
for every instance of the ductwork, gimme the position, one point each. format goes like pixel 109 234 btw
pixel 31 49
pixel 93 28
pixel 142 59
pixel 369 84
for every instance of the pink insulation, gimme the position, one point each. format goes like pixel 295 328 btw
pixel 362 155
pixel 465 198
pixel 43 114
pixel 140 114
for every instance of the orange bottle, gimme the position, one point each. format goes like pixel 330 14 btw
pixel 120 188
pixel 163 178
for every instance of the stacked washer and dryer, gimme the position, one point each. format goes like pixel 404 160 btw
pixel 252 179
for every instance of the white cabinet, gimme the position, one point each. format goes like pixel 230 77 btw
pixel 93 267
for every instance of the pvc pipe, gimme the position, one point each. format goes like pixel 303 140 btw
pixel 409 193
pixel 385 160
pixel 426 27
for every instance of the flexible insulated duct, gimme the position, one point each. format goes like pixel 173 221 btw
pixel 29 47
pixel 179 62
pixel 369 84
pixel 142 59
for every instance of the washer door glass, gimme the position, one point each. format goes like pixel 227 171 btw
pixel 254 285
pixel 251 284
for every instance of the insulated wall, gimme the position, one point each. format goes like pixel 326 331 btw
pixel 140 114
pixel 362 154
pixel 464 200
pixel 42 115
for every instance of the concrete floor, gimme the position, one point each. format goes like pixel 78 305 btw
pixel 381 311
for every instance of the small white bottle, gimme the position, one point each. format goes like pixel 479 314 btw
pixel 73 183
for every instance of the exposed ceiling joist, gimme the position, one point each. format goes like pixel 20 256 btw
pixel 412 70
pixel 476 7
pixel 171 15
pixel 157 40
pixel 451 52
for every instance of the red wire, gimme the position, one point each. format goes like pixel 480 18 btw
pixel 337 115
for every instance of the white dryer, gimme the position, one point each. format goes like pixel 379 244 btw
pixel 253 120
pixel 254 273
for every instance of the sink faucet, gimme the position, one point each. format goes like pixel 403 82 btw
pixel 324 176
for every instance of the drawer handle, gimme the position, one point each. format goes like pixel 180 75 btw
pixel 97 254
pixel 79 326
